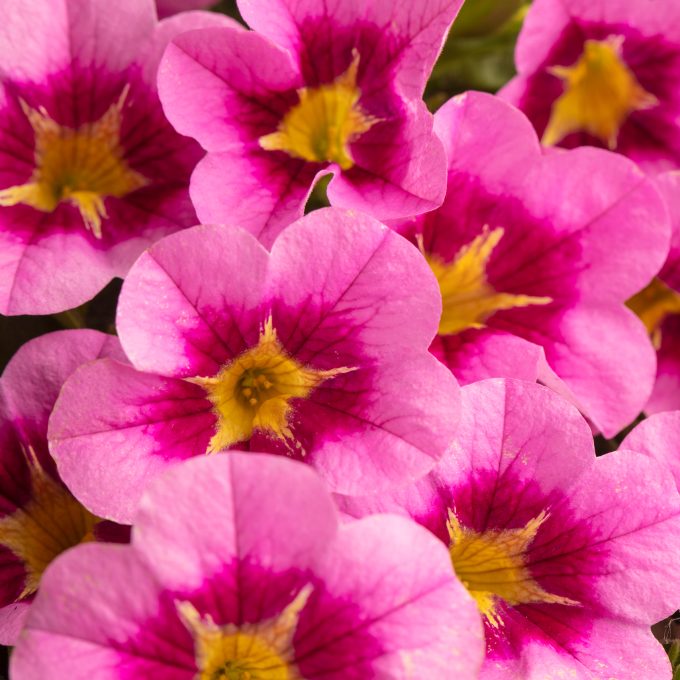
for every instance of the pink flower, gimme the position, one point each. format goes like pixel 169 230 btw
pixel 167 7
pixel 316 89
pixel 658 305
pixel 241 569
pixel 602 72
pixel 317 351
pixel 535 254
pixel 91 172
pixel 39 518
pixel 570 557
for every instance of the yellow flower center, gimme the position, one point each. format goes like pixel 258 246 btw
pixel 81 167
pixel 467 297
pixel 254 391
pixel 51 522
pixel 600 92
pixel 320 127
pixel 252 651
pixel 653 305
pixel 492 566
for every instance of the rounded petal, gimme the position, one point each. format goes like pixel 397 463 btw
pixel 408 587
pixel 209 91
pixel 168 30
pixel 609 205
pixel 658 437
pixel 509 429
pixel 514 429
pixel 34 376
pixel 74 620
pixel 608 375
pixel 511 143
pixel 346 270
pixel 393 433
pixel 632 526
pixel 192 302
pixel 114 428
pixel 249 506
pixel 50 272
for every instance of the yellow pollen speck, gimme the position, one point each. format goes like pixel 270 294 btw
pixel 324 122
pixel 467 297
pixel 254 391
pixel 600 92
pixel 653 304
pixel 82 167
pixel 48 524
pixel 492 566
pixel 251 651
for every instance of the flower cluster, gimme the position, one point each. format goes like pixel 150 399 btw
pixel 385 393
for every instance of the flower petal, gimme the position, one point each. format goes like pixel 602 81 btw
pixel 259 191
pixel 210 92
pixel 209 281
pixel 114 428
pixel 404 37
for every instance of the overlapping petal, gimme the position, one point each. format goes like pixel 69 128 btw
pixel 566 237
pixel 370 62
pixel 216 549
pixel 581 568
pixel 350 303
pixel 38 516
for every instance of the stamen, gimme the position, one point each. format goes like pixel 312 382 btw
pixel 600 94
pixel 492 566
pixel 262 650
pixel 255 392
pixel 82 167
pixel 654 305
pixel 52 521
pixel 325 122
pixel 467 297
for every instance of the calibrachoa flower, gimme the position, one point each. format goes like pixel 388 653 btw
pixel 570 557
pixel 602 72
pixel 658 305
pixel 317 351
pixel 316 88
pixel 168 7
pixel 39 518
pixel 91 171
pixel 241 570
pixel 535 254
